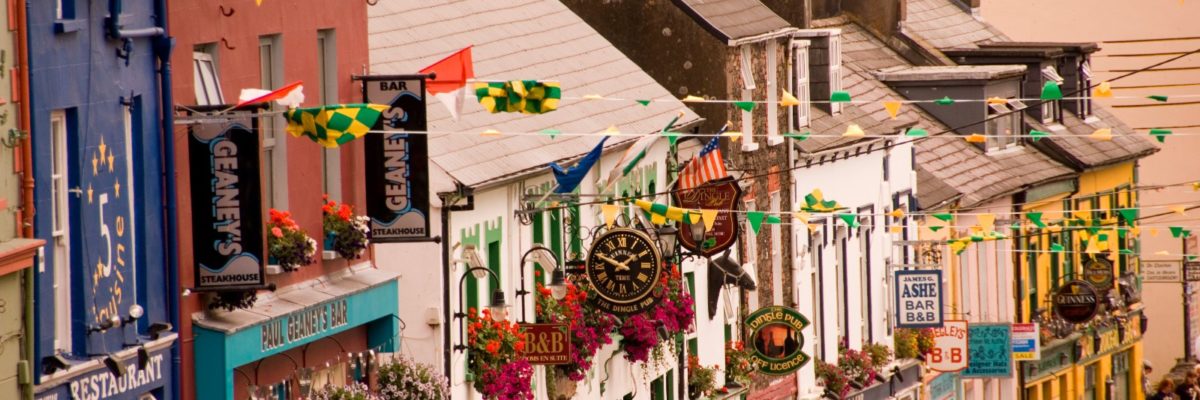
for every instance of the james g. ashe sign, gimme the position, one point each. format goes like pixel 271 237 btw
pixel 918 299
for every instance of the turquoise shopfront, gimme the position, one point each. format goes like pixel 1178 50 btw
pixel 328 327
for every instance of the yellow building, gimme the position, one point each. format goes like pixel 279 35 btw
pixel 1083 235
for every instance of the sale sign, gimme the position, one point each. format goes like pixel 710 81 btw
pixel 918 299
pixel 1026 345
pixel 547 344
pixel 949 353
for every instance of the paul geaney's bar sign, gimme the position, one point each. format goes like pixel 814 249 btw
pixel 303 324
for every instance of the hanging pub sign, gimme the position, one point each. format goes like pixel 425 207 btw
pixel 990 348
pixel 918 298
pixel 624 266
pixel 397 164
pixel 777 339
pixel 227 215
pixel 720 195
pixel 547 344
pixel 1076 302
pixel 949 351
pixel 1099 272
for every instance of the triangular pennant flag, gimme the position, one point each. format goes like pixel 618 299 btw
pixel 612 130
pixel 289 96
pixel 976 138
pixel 593 97
pixel 839 97
pixel 756 219
pixel 552 133
pixel 1196 186
pixel 944 101
pixel 692 99
pixel 1126 251
pixel 1157 97
pixel 610 213
pixel 1178 209
pixel 1037 135
pixel 1135 231
pixel 854 131
pixel 897 213
pixel 1036 218
pixel 774 220
pixel 1103 90
pixel 944 217
pixel 658 219
pixel 643 102
pixel 936 228
pixel 569 178
pixel 1160 134
pixel 896 228
pixel 798 136
pixel 958 247
pixel 732 135
pixel 710 218
pixel 916 132
pixel 1102 134
pixel 1051 91
pixel 850 219
pixel 1176 231
pixel 997 100
pixel 788 100
pixel 802 216
pixel 987 221
pixel 1162 253
pixel 1055 247
pixel 490 133
pixel 1129 214
pixel 746 106
pixel 892 107
pixel 1093 247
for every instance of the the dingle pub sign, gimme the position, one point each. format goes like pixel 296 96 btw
pixel 227 215
pixel 777 339
pixel 397 163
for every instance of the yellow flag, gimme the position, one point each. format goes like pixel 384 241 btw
pixel 692 99
pixel 854 131
pixel 1102 134
pixel 658 219
pixel 1135 231
pixel 593 97
pixel 897 213
pixel 997 100
pixel 610 213
pixel 893 108
pixel 733 135
pixel 710 218
pixel 1162 253
pixel 612 130
pixel 957 245
pixel 1092 246
pixel 1104 89
pixel 788 100
pixel 1178 209
pixel 490 133
pixel 1153 232
pixel 896 228
pixel 976 138
pixel 987 222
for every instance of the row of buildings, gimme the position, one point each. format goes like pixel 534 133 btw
pixel 101 244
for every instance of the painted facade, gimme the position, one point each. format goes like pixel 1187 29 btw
pixel 102 290
pixel 248 46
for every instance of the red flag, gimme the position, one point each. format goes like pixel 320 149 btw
pixel 452 72
pixel 255 96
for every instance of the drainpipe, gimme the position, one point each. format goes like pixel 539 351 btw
pixel 448 204
pixel 162 50
pixel 113 27
pixel 27 185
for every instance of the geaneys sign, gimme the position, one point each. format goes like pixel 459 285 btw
pixel 776 338
pixel 397 163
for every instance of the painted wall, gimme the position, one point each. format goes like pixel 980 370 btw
pixel 116 218
pixel 232 32
pixel 12 291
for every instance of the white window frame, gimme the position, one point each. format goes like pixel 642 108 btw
pixel 748 67
pixel 748 86
pixel 204 77
pixel 835 71
pixel 331 161
pixel 776 252
pixel 270 52
pixel 128 187
pixel 801 86
pixel 1085 83
pixel 1051 110
pixel 773 136
pixel 996 139
pixel 840 241
pixel 60 192
pixel 864 266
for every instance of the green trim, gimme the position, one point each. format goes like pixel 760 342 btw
pixel 471 236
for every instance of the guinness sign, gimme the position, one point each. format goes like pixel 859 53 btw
pixel 1076 302
pixel 717 195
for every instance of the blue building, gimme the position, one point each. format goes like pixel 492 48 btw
pixel 104 283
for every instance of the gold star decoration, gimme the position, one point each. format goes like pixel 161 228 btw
pixel 89 193
pixel 95 170
pixel 110 161
pixel 117 188
pixel 102 150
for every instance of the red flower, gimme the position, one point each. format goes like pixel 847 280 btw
pixel 519 346
pixel 493 347
pixel 277 232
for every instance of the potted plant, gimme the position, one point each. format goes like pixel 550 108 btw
pixel 740 365
pixel 674 314
pixel 406 379
pixel 345 233
pixel 232 300
pixel 288 246
pixel 353 391
pixel 591 329
pixel 836 383
pixel 702 381
pixel 500 371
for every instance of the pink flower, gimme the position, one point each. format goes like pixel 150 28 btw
pixel 277 232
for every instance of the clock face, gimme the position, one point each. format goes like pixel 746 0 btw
pixel 624 266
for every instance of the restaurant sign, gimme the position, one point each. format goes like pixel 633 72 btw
pixel 397 163
pixel 777 339
pixel 718 195
pixel 101 384
pixel 547 344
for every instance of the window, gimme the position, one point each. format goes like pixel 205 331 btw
pixel 1085 83
pixel 835 71
pixel 64 9
pixel 866 223
pixel 776 254
pixel 331 166
pixel 748 86
pixel 750 259
pixel 1002 127
pixel 61 232
pixel 204 76
pixel 800 84
pixel 841 275
pixel 773 137
pixel 1090 381
pixel 270 61
pixel 1052 110
pixel 748 68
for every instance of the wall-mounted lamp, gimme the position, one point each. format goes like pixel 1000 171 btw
pixel 497 307
pixel 545 257
pixel 54 363
pixel 668 237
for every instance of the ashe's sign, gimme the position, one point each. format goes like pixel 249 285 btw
pixel 547 344
pixel 1076 302
pixel 717 195
pixel 227 216
pixel 100 384
pixel 918 299
pixel 397 164
pixel 303 324
pixel 777 339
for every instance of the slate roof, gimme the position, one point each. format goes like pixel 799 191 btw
pixel 946 167
pixel 517 39
pixel 944 24
pixel 730 20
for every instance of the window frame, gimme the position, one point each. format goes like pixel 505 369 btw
pixel 204 73
pixel 331 159
pixel 800 85
pixel 835 71
pixel 274 142
pixel 60 193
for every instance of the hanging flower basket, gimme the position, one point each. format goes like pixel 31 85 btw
pixel 287 245
pixel 494 348
pixel 591 328
pixel 232 300
pixel 674 314
pixel 345 233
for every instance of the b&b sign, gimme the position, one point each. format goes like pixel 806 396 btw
pixel 547 344
pixel 918 299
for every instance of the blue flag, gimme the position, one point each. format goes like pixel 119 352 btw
pixel 569 178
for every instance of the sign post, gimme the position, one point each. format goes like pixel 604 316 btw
pixel 949 353
pixel 397 163
pixel 918 298
pixel 990 347
pixel 1026 343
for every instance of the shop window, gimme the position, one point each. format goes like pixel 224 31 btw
pixel 1120 376
pixel 1064 391
pixel 1089 382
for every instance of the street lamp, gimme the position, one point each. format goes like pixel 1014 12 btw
pixel 546 257
pixel 558 284
pixel 667 235
pixel 498 306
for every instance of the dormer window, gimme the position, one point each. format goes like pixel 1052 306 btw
pixel 1052 110
pixel 1003 126
pixel 800 84
pixel 835 71
pixel 1085 95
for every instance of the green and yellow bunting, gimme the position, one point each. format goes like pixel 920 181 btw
pixel 1036 218
pixel 529 97
pixel 756 219
pixel 815 202
pixel 333 125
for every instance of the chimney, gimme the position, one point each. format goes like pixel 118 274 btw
pixel 824 65
pixel 882 18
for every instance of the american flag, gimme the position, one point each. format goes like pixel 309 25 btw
pixel 707 166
